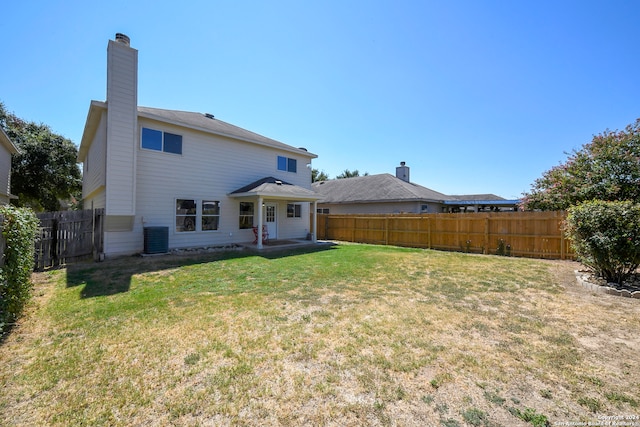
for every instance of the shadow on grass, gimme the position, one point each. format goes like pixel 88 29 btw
pixel 114 276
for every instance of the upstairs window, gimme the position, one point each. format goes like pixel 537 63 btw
pixel 287 164
pixel 161 141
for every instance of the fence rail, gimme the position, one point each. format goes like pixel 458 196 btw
pixel 65 237
pixel 68 236
pixel 523 234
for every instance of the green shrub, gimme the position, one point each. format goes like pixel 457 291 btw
pixel 606 237
pixel 19 227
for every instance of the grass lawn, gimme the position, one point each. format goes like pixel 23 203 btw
pixel 352 335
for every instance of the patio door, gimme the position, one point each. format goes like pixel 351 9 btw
pixel 271 219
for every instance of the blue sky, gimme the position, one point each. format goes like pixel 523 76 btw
pixel 475 96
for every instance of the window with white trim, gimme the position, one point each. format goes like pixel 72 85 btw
pixel 294 210
pixel 287 164
pixel 158 140
pixel 186 215
pixel 210 215
pixel 246 215
pixel 197 215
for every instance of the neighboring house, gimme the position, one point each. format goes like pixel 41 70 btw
pixel 480 203
pixel 7 149
pixel 385 193
pixel 209 182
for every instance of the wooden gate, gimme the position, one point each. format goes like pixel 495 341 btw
pixel 68 236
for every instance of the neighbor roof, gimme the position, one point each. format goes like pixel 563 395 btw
pixel 197 121
pixel 469 197
pixel 374 188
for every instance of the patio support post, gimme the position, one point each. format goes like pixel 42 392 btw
pixel 314 236
pixel 260 222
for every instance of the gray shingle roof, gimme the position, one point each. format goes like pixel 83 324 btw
pixel 275 188
pixel 374 188
pixel 470 197
pixel 208 123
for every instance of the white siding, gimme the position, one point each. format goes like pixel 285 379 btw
pixel 209 168
pixel 5 174
pixel 94 166
pixel 122 72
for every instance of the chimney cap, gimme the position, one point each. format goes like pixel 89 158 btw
pixel 402 163
pixel 123 38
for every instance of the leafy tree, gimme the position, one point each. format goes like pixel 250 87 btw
pixel 606 237
pixel 317 175
pixel 608 168
pixel 350 174
pixel 46 171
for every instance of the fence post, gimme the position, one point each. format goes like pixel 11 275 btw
pixel 562 242
pixel 485 245
pixel 53 249
pixel 326 227
pixel 386 230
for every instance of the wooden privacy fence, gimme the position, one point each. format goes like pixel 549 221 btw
pixel 68 236
pixel 522 234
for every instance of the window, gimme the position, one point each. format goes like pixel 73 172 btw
pixel 210 215
pixel 246 215
pixel 293 210
pixel 322 210
pixel 185 215
pixel 191 212
pixel 287 164
pixel 161 141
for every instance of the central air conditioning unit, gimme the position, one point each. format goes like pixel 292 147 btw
pixel 156 240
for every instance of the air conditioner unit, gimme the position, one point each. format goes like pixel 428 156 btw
pixel 156 240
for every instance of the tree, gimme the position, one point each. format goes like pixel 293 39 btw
pixel 46 170
pixel 606 237
pixel 608 168
pixel 349 174
pixel 317 175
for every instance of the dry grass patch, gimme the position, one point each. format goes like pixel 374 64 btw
pixel 354 335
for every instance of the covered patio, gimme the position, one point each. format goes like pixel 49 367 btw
pixel 267 193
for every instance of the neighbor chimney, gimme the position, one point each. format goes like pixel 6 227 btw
pixel 123 38
pixel 402 172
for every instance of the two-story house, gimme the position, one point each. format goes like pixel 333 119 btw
pixel 7 149
pixel 206 181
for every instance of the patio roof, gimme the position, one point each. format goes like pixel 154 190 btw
pixel 274 188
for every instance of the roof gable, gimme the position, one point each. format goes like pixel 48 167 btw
pixel 190 120
pixel 208 123
pixel 7 143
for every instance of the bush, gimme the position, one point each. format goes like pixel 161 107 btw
pixel 606 237
pixel 19 227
